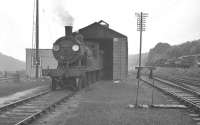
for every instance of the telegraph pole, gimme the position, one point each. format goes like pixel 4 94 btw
pixel 37 41
pixel 141 20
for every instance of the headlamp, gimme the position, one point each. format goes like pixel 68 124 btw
pixel 75 48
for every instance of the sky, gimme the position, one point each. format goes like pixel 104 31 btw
pixel 171 21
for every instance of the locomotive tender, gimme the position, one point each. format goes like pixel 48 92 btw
pixel 79 61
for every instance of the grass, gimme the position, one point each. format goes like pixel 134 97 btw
pixel 106 104
pixel 11 87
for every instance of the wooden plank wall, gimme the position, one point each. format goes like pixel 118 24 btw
pixel 120 59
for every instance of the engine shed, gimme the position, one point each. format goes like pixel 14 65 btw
pixel 114 46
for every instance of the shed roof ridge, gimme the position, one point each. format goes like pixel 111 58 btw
pixel 103 27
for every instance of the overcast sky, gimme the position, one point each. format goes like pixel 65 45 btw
pixel 171 21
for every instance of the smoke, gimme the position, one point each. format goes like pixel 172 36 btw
pixel 62 15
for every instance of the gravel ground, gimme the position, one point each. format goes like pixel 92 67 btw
pixel 106 103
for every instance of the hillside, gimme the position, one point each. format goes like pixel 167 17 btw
pixel 133 60
pixel 10 64
pixel 163 51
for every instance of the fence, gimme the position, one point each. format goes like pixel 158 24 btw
pixel 11 77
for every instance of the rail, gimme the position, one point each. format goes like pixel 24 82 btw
pixel 39 113
pixel 24 111
pixel 185 95
pixel 16 103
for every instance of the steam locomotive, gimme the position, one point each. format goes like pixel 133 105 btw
pixel 79 62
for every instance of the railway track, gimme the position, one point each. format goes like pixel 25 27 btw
pixel 191 81
pixel 187 83
pixel 24 111
pixel 188 97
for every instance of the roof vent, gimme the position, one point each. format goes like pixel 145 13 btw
pixel 103 23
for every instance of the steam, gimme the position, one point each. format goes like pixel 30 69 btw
pixel 62 15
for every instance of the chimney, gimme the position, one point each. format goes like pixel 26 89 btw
pixel 68 31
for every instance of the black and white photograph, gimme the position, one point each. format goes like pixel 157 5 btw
pixel 100 62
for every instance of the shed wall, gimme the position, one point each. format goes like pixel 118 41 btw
pixel 120 58
pixel 46 61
